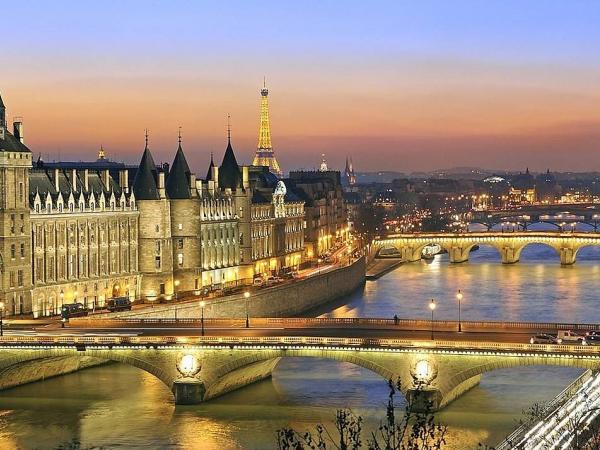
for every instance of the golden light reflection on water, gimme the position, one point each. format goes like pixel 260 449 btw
pixel 121 406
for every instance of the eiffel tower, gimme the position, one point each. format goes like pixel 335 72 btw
pixel 264 153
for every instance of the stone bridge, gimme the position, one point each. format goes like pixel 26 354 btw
pixel 509 244
pixel 197 369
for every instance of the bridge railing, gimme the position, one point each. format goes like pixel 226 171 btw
pixel 513 440
pixel 313 342
pixel 309 322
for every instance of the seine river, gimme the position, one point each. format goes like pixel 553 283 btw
pixel 117 406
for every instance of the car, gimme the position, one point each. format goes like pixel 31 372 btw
pixel 593 333
pixel 544 339
pixel 273 280
pixel 73 310
pixel 258 282
pixel 569 336
pixel 594 339
pixel 118 304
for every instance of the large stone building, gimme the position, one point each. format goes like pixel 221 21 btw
pixel 88 231
pixel 325 209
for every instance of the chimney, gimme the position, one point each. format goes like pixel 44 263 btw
pixel 215 176
pixel 86 180
pixel 245 177
pixel 18 129
pixel 193 185
pixel 161 184
pixel 56 174
pixel 199 187
pixel 74 179
pixel 124 180
pixel 211 187
pixel 106 179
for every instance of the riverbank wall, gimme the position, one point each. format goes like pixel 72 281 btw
pixel 286 300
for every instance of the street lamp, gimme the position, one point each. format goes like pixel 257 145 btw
pixel 202 305
pixel 246 297
pixel 176 283
pixel 459 297
pixel 1 318
pixel 432 308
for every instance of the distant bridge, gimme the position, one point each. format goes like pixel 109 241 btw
pixel 409 247
pixel 563 217
pixel 198 368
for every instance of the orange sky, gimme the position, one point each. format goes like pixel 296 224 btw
pixel 409 99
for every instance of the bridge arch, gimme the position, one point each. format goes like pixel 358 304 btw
pixel 236 373
pixel 472 374
pixel 14 360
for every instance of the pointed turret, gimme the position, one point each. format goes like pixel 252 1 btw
pixel 2 114
pixel 209 175
pixel 178 181
pixel 230 175
pixel 146 177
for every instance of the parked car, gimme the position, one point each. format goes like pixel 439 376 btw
pixel 571 337
pixel 73 310
pixel 273 280
pixel 258 282
pixel 594 339
pixel 544 339
pixel 118 304
pixel 593 333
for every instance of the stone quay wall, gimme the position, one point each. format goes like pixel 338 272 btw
pixel 286 300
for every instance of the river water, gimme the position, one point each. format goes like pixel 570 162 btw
pixel 121 407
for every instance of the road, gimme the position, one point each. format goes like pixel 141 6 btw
pixel 418 330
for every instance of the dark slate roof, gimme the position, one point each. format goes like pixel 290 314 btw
pixel 1 102
pixel 12 144
pixel 178 181
pixel 209 176
pixel 230 175
pixel 258 197
pixel 146 177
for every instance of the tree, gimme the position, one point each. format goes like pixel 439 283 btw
pixel 413 430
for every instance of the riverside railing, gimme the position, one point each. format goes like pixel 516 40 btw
pixel 516 439
pixel 351 323
pixel 313 342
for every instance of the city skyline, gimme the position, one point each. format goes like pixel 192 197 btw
pixel 425 86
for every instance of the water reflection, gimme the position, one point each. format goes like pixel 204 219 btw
pixel 118 406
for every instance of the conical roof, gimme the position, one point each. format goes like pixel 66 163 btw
pixel 178 181
pixel 229 172
pixel 144 184
pixel 1 102
pixel 209 175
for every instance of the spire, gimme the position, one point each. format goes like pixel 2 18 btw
pixel 144 184
pixel 178 181
pixel 209 175
pixel 264 153
pixel 230 175
pixel 2 114
pixel 228 128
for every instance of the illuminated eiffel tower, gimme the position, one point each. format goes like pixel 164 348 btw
pixel 264 153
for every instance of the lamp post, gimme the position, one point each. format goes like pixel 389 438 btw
pixel 246 297
pixel 459 297
pixel 432 308
pixel 202 304
pixel 176 284
pixel 1 318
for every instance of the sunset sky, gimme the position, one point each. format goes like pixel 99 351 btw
pixel 396 85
